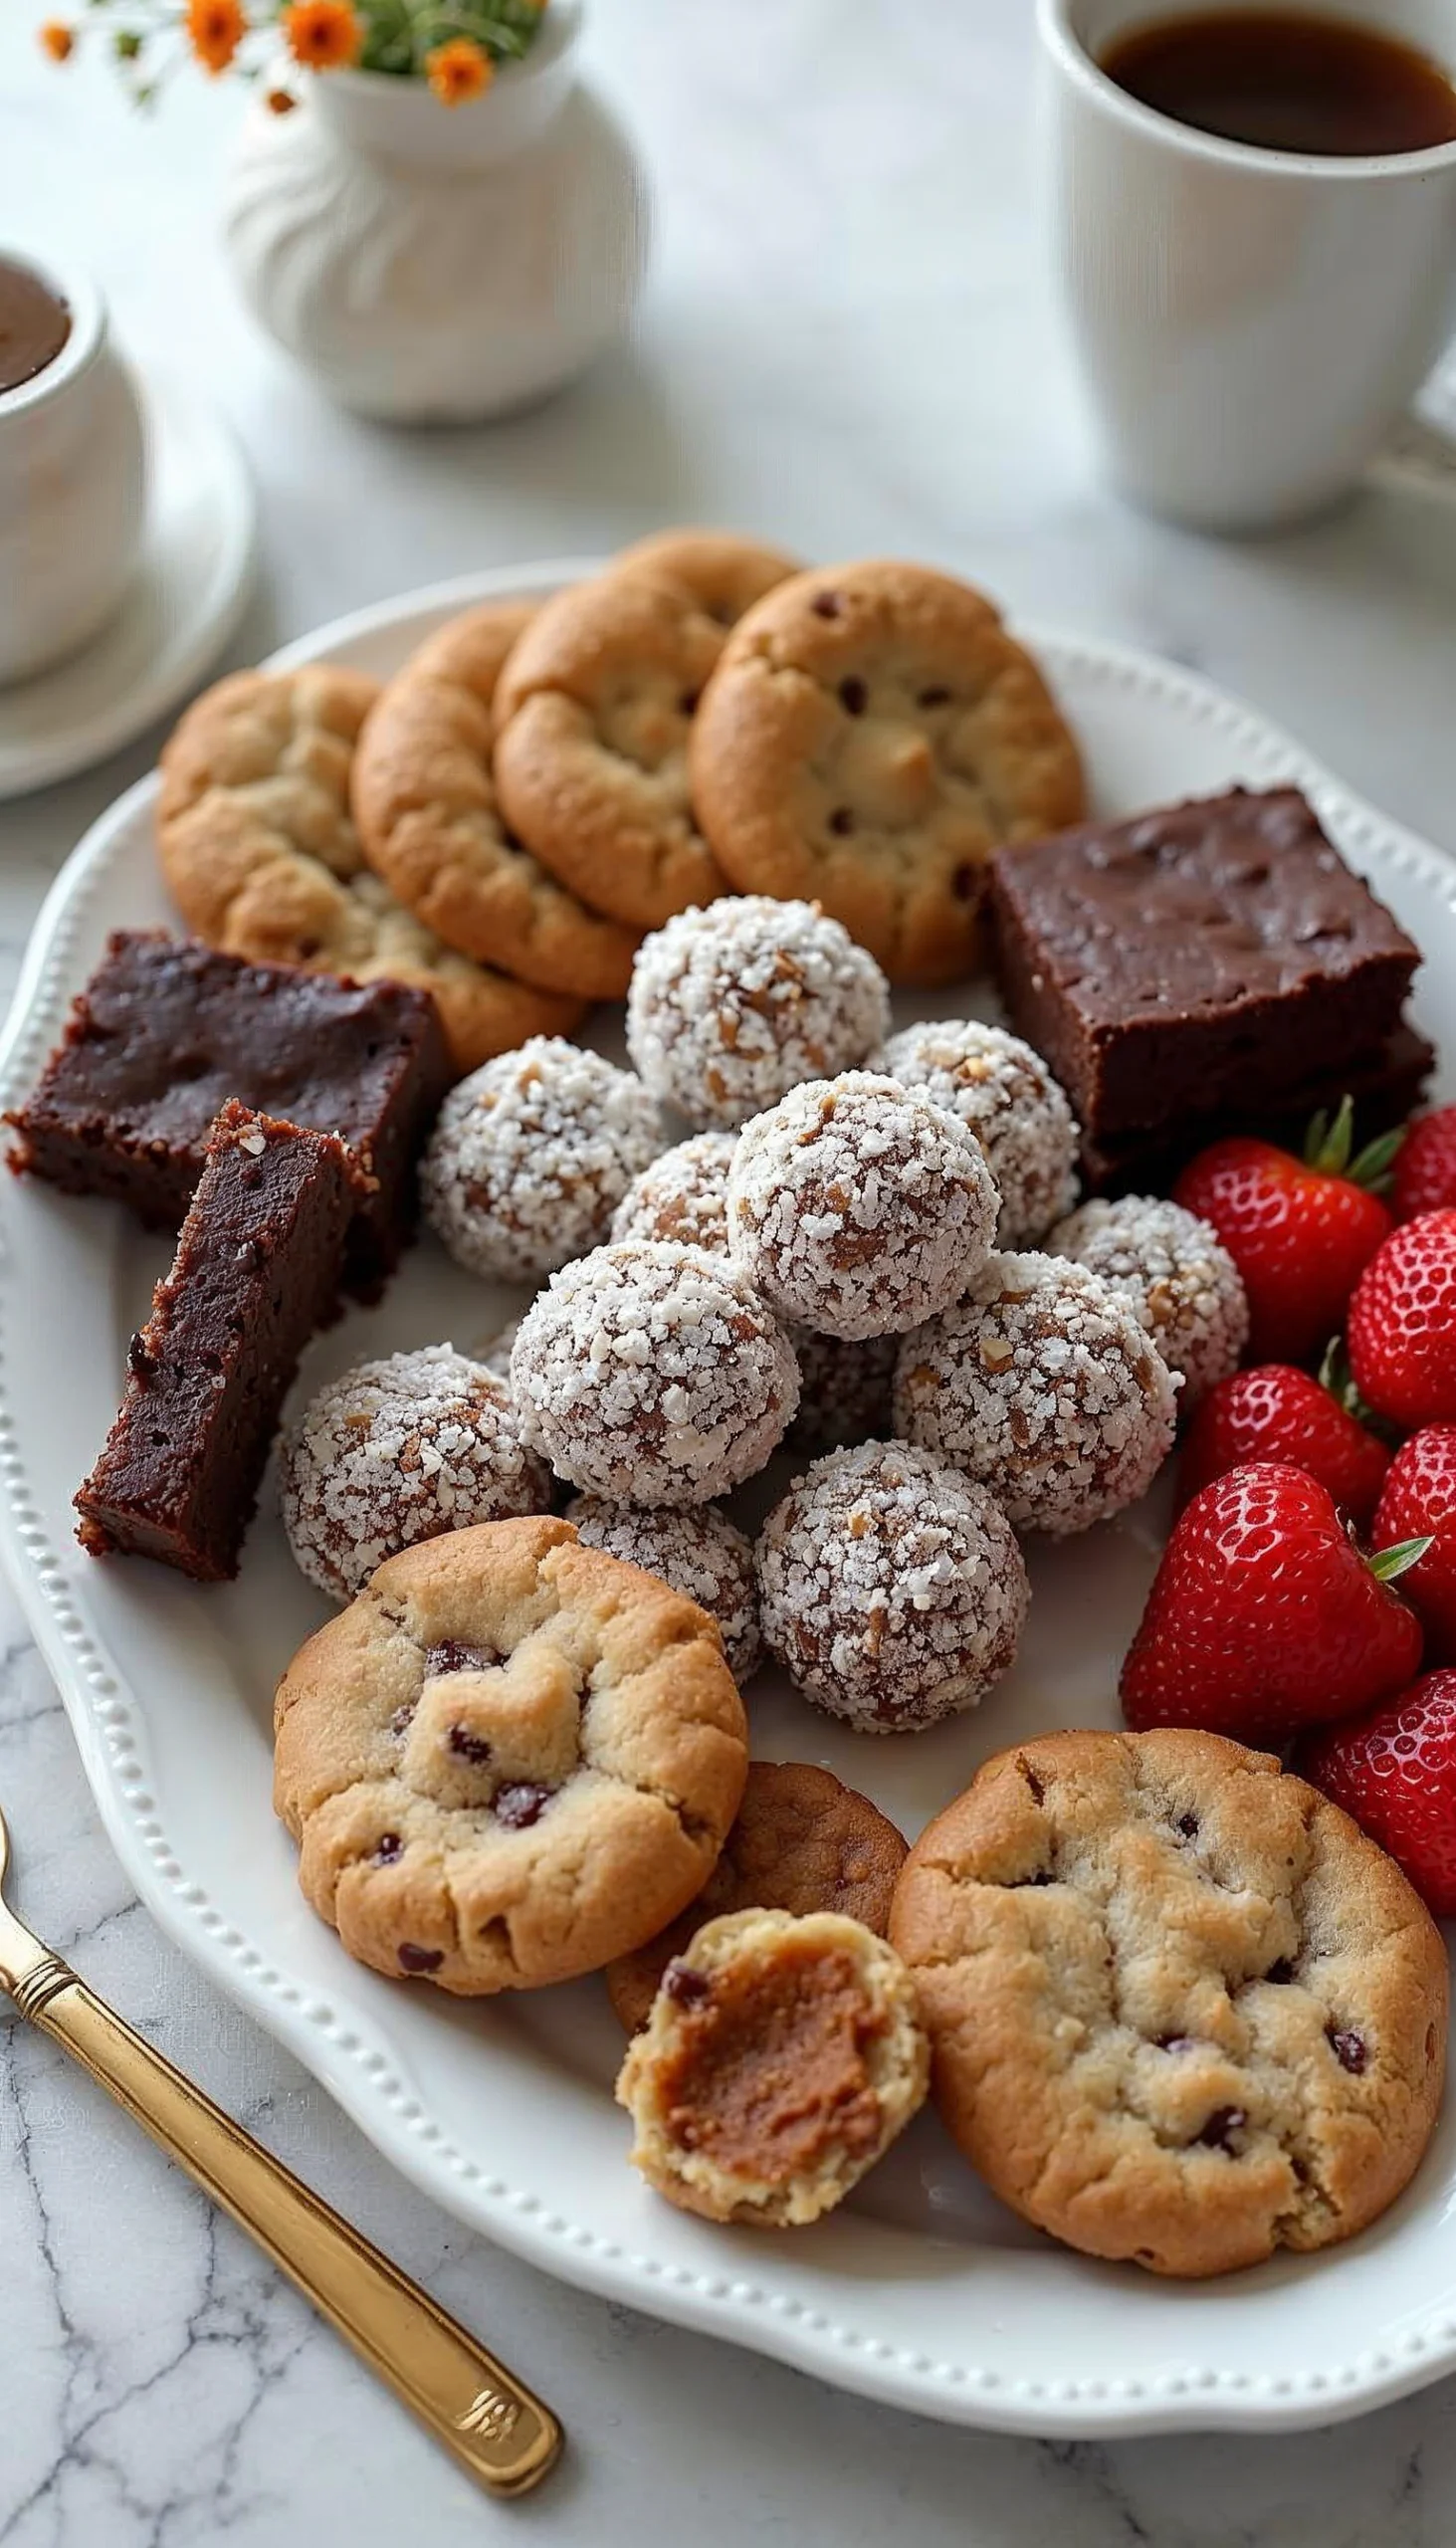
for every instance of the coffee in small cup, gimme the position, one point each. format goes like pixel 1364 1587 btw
pixel 35 323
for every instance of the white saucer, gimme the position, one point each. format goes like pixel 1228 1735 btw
pixel 184 603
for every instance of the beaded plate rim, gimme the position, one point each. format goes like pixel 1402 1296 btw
pixel 836 2343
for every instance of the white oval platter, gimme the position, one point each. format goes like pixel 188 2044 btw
pixel 922 2290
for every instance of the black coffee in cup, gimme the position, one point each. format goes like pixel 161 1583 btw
pixel 33 325
pixel 1287 79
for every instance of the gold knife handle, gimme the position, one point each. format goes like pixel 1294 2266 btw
pixel 505 2438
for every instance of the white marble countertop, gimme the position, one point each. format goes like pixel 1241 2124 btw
pixel 846 345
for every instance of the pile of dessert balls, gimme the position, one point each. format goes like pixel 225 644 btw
pixel 867 1247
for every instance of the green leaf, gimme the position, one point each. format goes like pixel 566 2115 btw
pixel 1327 1144
pixel 1372 1169
pixel 1336 1375
pixel 1390 1562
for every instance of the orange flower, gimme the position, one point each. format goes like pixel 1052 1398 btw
pixel 215 29
pixel 458 71
pixel 324 35
pixel 56 41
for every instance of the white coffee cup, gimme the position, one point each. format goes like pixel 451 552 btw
pixel 73 479
pixel 1250 324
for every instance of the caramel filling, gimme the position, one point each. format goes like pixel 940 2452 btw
pixel 769 2073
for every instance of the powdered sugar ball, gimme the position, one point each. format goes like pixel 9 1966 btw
pixel 682 1195
pixel 1043 1382
pixel 731 1005
pixel 1178 1275
pixel 697 1551
pixel 889 1588
pixel 845 1387
pixel 653 1374
pixel 530 1156
pixel 401 1450
pixel 1002 1090
pixel 859 1207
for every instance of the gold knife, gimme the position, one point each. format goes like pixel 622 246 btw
pixel 498 2432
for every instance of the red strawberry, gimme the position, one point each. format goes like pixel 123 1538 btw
pixel 1264 1616
pixel 1419 1497
pixel 1401 1333
pixel 1300 1231
pixel 1395 1771
pixel 1275 1412
pixel 1425 1172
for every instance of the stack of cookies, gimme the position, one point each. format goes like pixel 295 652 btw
pixel 501 822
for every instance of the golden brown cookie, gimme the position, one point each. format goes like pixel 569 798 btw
pixel 725 573
pixel 869 737
pixel 508 1760
pixel 781 2060
pixel 262 860
pixel 802 1843
pixel 425 805
pixel 1182 2009
pixel 592 715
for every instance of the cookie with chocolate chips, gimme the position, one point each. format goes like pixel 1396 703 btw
pixel 510 1758
pixel 869 736
pixel 1182 2010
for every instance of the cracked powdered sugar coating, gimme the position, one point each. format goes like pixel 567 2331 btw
pixel 1178 1275
pixel 859 1207
pixel 892 1589
pixel 699 1552
pixel 653 1374
pixel 1003 1091
pixel 1044 1383
pixel 397 1451
pixel 731 1007
pixel 530 1156
pixel 682 1196
pixel 845 1388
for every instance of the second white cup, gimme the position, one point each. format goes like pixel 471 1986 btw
pixel 1250 324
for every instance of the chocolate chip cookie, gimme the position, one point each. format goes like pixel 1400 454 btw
pixel 781 2060
pixel 592 715
pixel 260 852
pixel 425 805
pixel 802 1843
pixel 508 1760
pixel 869 734
pixel 1182 2010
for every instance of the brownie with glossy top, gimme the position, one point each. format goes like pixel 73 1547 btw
pixel 1198 961
pixel 166 1030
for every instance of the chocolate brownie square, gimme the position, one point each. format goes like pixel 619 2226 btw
pixel 257 1270
pixel 166 1030
pixel 1196 960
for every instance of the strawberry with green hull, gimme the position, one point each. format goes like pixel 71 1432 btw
pixel 1403 1325
pixel 1394 1772
pixel 1419 1498
pixel 1274 1411
pixel 1300 1230
pixel 1425 1172
pixel 1264 1616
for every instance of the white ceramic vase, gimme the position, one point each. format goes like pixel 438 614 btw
pixel 437 264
